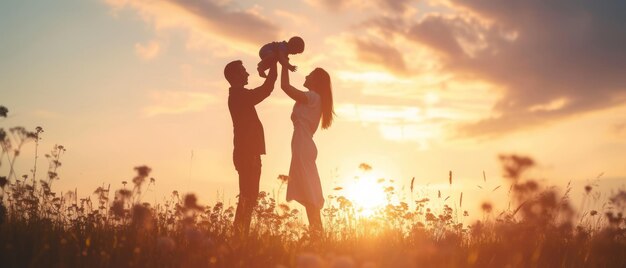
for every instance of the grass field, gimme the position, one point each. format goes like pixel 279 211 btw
pixel 115 228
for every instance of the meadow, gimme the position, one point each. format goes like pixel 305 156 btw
pixel 114 227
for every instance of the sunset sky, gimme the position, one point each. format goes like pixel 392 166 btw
pixel 421 88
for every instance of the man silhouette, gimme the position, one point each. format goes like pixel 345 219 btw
pixel 249 140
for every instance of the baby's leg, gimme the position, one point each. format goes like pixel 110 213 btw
pixel 265 64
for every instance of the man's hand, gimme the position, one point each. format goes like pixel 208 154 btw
pixel 263 91
pixel 273 74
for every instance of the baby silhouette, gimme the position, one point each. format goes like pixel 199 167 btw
pixel 279 51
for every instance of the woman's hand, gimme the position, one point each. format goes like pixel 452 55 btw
pixel 291 91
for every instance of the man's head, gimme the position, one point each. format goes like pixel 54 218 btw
pixel 236 74
pixel 295 45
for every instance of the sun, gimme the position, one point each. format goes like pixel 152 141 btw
pixel 367 195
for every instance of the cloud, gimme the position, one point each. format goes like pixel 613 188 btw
pixel 619 130
pixel 441 34
pixel 380 113
pixel 240 25
pixel 332 5
pixel 148 51
pixel 208 20
pixel 386 27
pixel 294 18
pixel 394 6
pixel 380 54
pixel 552 59
pixel 382 40
pixel 397 123
pixel 177 102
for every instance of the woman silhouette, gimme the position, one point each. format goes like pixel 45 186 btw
pixel 317 103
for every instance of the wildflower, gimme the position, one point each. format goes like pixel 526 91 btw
pixel 118 208
pixel 52 175
pixel 619 199
pixel 190 201
pixel 486 207
pixel 124 194
pixel 614 220
pixel 515 165
pixel 143 171
pixel 365 167
pixel 99 190
pixel 423 200
pixel 430 217
pixel 3 111
pixel 141 217
pixel 284 207
pixel 32 135
pixel 283 178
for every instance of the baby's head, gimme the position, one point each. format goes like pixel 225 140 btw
pixel 295 45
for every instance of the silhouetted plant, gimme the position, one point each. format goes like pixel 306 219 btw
pixel 41 227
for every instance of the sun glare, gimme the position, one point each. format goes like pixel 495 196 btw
pixel 367 195
pixel 431 98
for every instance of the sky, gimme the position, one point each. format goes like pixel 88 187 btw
pixel 421 88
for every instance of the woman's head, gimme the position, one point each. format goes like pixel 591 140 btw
pixel 319 81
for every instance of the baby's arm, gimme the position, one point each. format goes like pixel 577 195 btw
pixel 284 61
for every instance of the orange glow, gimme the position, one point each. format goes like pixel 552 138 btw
pixel 367 195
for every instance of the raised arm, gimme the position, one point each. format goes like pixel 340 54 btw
pixel 263 91
pixel 283 59
pixel 291 91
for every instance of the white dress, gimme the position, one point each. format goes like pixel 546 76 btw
pixel 304 181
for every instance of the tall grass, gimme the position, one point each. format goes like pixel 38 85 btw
pixel 115 228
